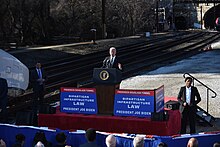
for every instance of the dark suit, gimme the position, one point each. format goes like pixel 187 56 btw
pixel 38 87
pixel 107 63
pixel 188 112
pixel 3 99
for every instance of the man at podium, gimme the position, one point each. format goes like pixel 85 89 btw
pixel 112 61
pixel 107 79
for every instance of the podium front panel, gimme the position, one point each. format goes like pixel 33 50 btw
pixel 106 76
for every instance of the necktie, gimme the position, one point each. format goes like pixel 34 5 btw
pixel 111 62
pixel 39 73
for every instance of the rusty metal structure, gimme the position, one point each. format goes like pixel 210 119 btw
pixel 196 1
pixel 185 14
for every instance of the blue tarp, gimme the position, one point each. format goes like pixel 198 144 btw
pixel 8 133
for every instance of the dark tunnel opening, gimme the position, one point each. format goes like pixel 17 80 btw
pixel 210 17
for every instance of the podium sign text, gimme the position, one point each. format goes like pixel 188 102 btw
pixel 139 103
pixel 78 100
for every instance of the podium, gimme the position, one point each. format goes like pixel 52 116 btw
pixel 106 80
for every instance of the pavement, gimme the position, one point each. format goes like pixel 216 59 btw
pixel 204 66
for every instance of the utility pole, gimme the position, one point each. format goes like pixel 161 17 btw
pixel 173 20
pixel 214 14
pixel 157 3
pixel 201 17
pixel 45 14
pixel 103 19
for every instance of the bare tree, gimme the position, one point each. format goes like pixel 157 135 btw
pixel 35 21
pixel 130 15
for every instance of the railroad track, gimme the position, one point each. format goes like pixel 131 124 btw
pixel 77 71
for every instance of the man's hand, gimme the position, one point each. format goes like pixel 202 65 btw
pixel 185 104
pixel 119 66
pixel 40 80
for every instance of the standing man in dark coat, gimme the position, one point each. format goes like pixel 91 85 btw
pixel 188 98
pixel 112 61
pixel 3 99
pixel 38 78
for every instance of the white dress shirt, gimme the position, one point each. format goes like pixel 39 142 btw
pixel 188 95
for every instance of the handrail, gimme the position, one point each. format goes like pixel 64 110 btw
pixel 208 89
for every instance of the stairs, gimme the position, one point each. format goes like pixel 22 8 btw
pixel 204 116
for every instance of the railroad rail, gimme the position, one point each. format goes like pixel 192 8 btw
pixel 77 71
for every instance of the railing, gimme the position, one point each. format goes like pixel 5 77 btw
pixel 208 89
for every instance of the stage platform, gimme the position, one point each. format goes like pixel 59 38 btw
pixel 112 124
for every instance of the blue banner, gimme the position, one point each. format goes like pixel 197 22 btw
pixel 78 100
pixel 139 103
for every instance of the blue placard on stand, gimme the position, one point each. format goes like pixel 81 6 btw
pixel 159 99
pixel 139 103
pixel 78 100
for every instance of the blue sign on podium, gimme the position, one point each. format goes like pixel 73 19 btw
pixel 139 103
pixel 78 100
